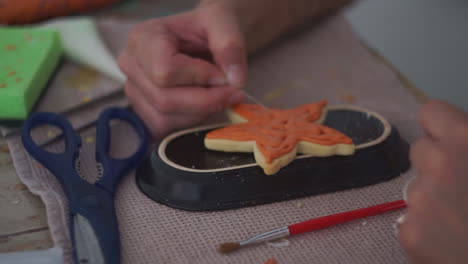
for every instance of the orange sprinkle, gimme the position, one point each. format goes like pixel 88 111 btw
pixel 10 47
pixel 28 37
pixel 50 134
pixel 12 73
pixel 348 98
pixel 86 99
pixel 20 187
pixel 2 85
pixel 19 79
pixel 4 149
pixel 271 261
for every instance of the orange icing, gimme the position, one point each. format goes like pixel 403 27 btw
pixel 277 132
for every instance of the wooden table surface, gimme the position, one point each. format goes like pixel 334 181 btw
pixel 23 222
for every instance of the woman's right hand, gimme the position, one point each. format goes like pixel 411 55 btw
pixel 183 68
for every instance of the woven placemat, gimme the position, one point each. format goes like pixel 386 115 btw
pixel 327 61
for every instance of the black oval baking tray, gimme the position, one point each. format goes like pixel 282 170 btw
pixel 181 173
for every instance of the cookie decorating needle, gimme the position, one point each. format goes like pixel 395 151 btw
pixel 312 224
pixel 253 99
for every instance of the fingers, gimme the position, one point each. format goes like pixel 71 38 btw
pixel 227 45
pixel 430 158
pixel 179 69
pixel 433 230
pixel 420 225
pixel 430 224
pixel 444 122
pixel 192 100
pixel 159 124
pixel 162 60
pixel 412 237
pixel 144 110
pixel 407 187
pixel 438 169
pixel 184 68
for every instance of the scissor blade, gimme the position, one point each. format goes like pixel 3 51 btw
pixel 86 243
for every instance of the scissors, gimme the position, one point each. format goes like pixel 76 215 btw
pixel 93 223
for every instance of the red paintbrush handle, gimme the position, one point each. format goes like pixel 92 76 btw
pixel 335 219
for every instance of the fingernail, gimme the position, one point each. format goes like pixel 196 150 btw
pixel 397 224
pixel 234 75
pixel 405 189
pixel 401 219
pixel 235 98
pixel 218 81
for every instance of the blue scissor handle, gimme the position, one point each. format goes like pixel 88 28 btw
pixel 116 168
pixel 52 161
pixel 62 165
pixel 95 204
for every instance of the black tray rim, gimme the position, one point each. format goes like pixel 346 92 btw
pixel 387 129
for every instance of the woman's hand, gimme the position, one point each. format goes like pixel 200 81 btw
pixel 183 68
pixel 435 229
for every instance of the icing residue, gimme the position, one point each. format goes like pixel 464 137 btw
pixel 276 132
pixel 83 79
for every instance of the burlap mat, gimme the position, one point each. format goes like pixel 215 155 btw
pixel 327 61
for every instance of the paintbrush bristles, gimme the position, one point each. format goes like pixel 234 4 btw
pixel 228 247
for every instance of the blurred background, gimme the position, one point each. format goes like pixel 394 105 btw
pixel 426 40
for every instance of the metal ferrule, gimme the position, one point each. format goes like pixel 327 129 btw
pixel 278 233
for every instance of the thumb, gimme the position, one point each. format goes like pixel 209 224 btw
pixel 227 45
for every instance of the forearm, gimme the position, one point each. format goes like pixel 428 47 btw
pixel 263 21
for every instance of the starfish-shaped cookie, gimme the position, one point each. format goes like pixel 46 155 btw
pixel 276 136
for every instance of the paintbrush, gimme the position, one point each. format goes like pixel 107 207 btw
pixel 312 224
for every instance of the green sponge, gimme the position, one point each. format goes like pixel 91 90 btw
pixel 28 57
